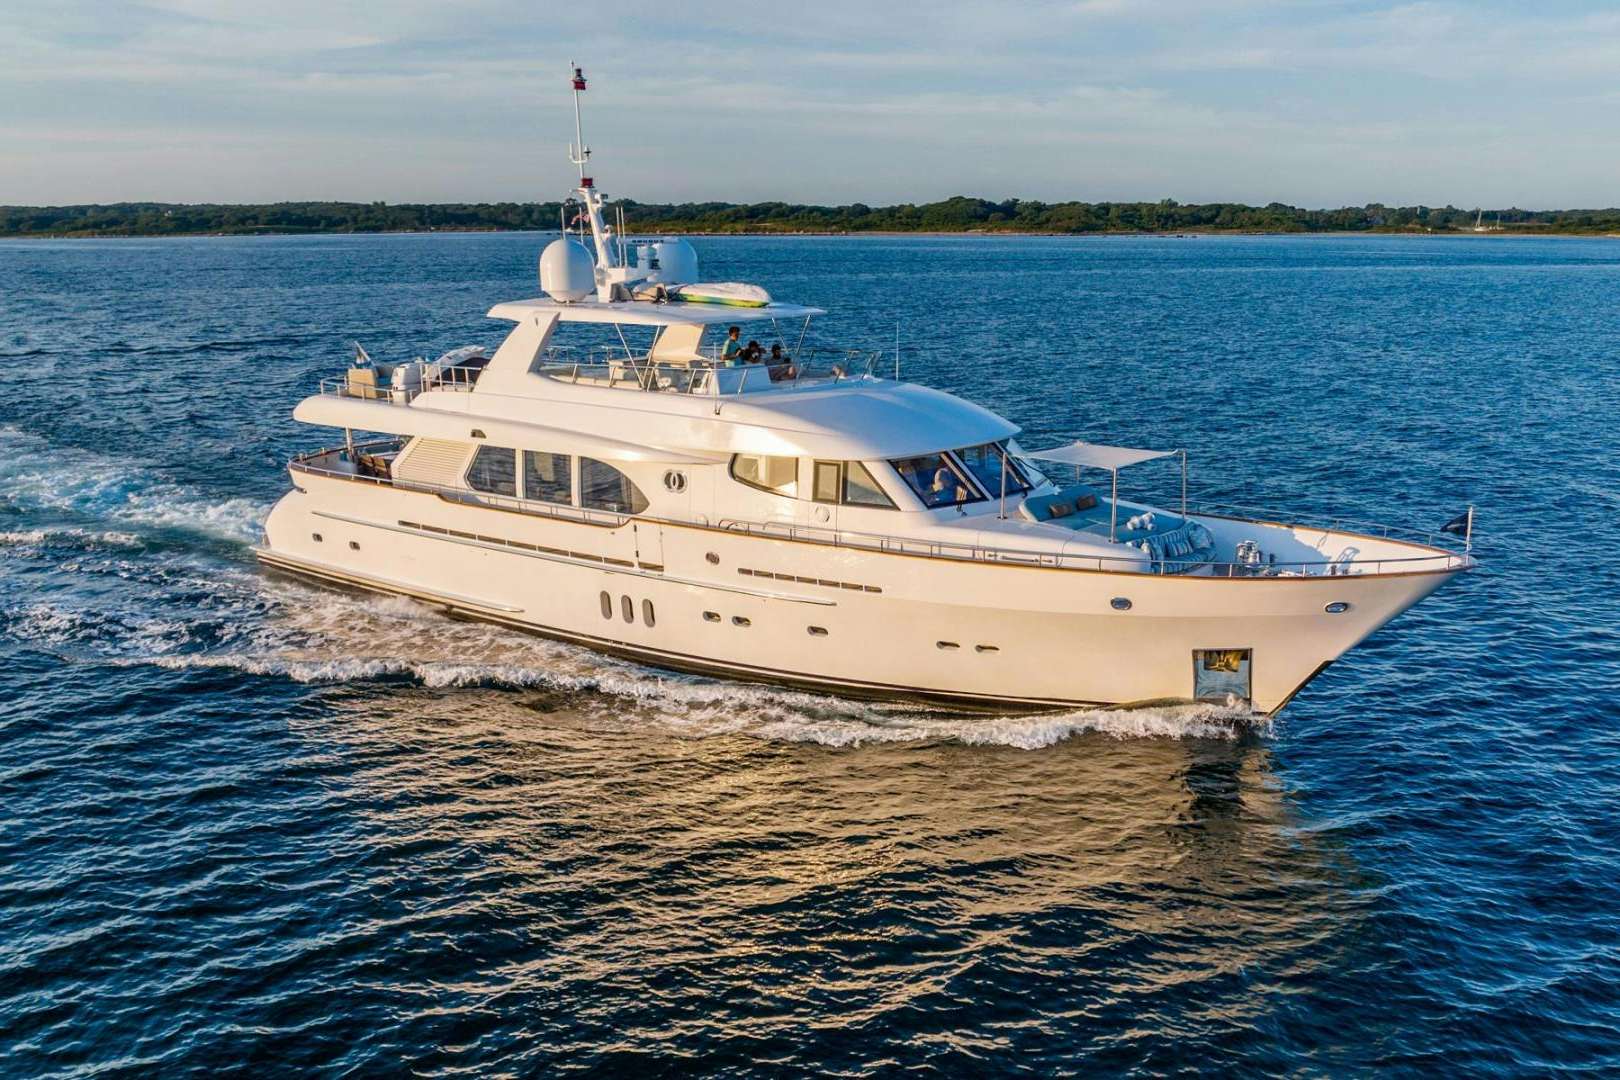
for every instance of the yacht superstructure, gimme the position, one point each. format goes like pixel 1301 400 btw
pixel 796 518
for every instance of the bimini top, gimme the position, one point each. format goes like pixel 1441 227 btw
pixel 1098 456
pixel 648 313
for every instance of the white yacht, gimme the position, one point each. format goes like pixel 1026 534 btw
pixel 798 519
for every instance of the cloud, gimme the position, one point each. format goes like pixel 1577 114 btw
pixel 1312 102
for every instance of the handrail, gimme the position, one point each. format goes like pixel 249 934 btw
pixel 1379 530
pixel 706 376
pixel 1065 560
pixel 927 548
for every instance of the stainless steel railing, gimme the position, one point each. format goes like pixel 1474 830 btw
pixel 706 376
pixel 940 549
pixel 1436 559
pixel 1358 526
pixel 709 377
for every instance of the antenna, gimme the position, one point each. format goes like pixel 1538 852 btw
pixel 578 152
pixel 897 350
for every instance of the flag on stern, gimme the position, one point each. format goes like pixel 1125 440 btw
pixel 1461 524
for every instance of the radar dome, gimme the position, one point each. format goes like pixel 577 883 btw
pixel 566 271
pixel 677 262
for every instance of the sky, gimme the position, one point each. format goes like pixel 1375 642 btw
pixel 1311 102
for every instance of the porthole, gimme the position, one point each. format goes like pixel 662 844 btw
pixel 675 480
pixel 628 607
pixel 947 645
pixel 714 560
pixel 607 606
pixel 647 613
pixel 741 620
pixel 354 545
pixel 711 616
pixel 316 537
pixel 1120 603
pixel 1338 607
pixel 817 631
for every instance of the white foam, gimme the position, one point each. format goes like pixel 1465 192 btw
pixel 36 475
pixel 82 537
pixel 54 624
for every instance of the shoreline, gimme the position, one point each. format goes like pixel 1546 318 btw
pixel 1180 234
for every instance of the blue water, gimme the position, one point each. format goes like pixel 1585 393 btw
pixel 255 827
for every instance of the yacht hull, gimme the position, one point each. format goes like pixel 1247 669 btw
pixel 845 620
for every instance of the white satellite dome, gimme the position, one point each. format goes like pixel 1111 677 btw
pixel 677 261
pixel 566 271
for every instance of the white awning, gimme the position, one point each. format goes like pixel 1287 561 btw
pixel 646 313
pixel 1098 456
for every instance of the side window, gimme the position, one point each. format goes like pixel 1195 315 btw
pixel 861 490
pixel 936 481
pixel 602 487
pixel 985 463
pixel 779 475
pixel 494 469
pixel 824 487
pixel 546 477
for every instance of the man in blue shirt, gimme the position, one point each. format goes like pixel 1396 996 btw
pixel 730 351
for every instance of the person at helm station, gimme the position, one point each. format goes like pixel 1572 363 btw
pixel 730 351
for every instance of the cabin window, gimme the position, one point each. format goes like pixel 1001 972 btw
pixel 494 469
pixel 602 487
pixel 936 480
pixel 984 462
pixel 827 482
pixel 860 489
pixel 846 482
pixel 546 477
pixel 778 475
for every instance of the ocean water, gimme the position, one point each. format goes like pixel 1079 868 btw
pixel 256 828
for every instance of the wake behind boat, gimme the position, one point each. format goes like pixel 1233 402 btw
pixel 675 497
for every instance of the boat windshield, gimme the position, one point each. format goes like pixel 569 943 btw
pixel 936 480
pixel 984 462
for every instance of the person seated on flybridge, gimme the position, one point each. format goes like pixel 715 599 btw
pixel 779 365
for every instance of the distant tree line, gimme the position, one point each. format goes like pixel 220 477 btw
pixel 958 214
